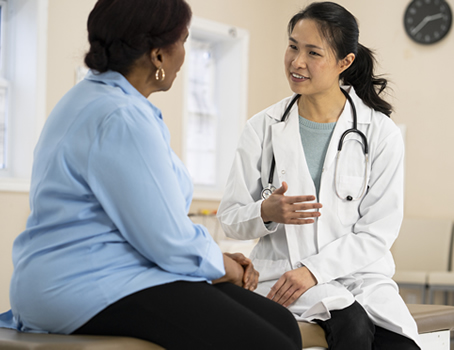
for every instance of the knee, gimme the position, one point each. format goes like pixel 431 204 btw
pixel 353 326
pixel 359 331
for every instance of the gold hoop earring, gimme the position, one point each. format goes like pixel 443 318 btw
pixel 160 74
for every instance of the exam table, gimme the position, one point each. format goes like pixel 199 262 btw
pixel 434 323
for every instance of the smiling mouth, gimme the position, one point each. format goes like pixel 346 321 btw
pixel 297 76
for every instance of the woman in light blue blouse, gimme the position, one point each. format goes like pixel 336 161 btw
pixel 109 248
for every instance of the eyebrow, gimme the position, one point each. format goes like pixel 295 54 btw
pixel 307 45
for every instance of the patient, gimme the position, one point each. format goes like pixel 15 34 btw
pixel 109 248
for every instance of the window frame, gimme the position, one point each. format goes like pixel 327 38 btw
pixel 232 44
pixel 24 68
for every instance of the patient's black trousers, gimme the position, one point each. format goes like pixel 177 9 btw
pixel 198 315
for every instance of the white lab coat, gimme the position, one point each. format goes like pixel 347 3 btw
pixel 348 247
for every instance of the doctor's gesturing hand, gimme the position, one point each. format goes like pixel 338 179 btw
pixel 291 286
pixel 289 209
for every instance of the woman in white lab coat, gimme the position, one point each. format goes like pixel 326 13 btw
pixel 325 236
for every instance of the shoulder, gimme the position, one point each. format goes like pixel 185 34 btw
pixel 384 133
pixel 379 122
pixel 270 115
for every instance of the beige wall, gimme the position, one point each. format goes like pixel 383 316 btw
pixel 421 78
pixel 13 215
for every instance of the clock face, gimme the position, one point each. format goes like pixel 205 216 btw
pixel 427 21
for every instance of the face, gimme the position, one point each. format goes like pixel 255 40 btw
pixel 172 60
pixel 310 63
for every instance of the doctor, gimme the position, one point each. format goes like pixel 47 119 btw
pixel 329 263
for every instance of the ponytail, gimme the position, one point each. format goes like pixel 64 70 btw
pixel 367 86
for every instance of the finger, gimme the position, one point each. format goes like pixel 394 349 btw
pixel 300 221
pixel 248 274
pixel 279 295
pixel 234 256
pixel 274 289
pixel 254 281
pixel 283 299
pixel 281 190
pixel 294 297
pixel 300 214
pixel 239 258
pixel 300 199
pixel 305 206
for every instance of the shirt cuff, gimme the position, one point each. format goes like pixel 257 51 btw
pixel 212 265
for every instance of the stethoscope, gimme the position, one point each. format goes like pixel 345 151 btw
pixel 269 189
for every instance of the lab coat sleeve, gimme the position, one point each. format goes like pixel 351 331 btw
pixel 240 210
pixel 381 213
pixel 131 174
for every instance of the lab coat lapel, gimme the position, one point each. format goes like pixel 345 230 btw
pixel 291 167
pixel 344 123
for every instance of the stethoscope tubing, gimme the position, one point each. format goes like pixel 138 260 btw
pixel 269 189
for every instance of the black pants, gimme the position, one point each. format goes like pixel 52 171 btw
pixel 188 315
pixel 351 328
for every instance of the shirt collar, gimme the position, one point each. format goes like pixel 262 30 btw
pixel 116 79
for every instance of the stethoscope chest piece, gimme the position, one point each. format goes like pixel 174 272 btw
pixel 268 191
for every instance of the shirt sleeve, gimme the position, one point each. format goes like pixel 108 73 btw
pixel 240 210
pixel 132 175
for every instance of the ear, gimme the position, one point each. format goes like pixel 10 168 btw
pixel 346 62
pixel 156 57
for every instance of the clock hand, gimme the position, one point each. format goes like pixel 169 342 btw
pixel 426 20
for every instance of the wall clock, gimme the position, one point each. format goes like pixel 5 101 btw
pixel 427 21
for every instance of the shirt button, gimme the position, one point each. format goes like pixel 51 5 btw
pixel 283 172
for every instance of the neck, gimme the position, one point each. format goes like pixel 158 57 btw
pixel 142 77
pixel 322 108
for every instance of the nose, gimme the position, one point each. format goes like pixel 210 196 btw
pixel 299 61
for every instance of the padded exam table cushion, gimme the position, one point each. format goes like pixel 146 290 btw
pixel 430 318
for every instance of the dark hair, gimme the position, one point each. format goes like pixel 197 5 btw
pixel 121 31
pixel 340 28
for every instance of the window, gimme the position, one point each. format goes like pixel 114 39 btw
pixel 215 108
pixel 23 33
pixel 201 146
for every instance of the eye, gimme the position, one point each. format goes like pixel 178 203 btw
pixel 293 47
pixel 313 53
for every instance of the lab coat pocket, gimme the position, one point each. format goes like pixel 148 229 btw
pixel 271 269
pixel 348 210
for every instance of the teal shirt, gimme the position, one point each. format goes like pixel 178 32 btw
pixel 315 138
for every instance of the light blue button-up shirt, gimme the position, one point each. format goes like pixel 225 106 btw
pixel 109 202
